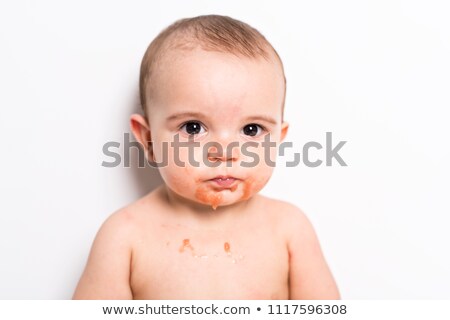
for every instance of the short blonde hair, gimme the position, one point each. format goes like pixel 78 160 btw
pixel 211 33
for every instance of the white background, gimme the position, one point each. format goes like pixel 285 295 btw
pixel 374 73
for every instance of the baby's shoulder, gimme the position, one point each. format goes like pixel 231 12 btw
pixel 132 217
pixel 279 207
pixel 284 213
pixel 119 225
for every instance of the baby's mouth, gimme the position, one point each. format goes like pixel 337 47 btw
pixel 225 182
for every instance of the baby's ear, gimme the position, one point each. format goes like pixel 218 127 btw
pixel 141 131
pixel 284 130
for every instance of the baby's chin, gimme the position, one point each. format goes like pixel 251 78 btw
pixel 211 195
pixel 217 199
pixel 223 197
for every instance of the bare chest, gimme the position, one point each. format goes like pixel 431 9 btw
pixel 186 265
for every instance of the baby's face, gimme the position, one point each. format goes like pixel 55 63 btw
pixel 210 101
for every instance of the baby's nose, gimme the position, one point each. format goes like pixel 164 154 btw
pixel 223 152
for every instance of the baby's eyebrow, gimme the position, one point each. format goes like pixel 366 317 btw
pixel 182 115
pixel 199 115
pixel 262 118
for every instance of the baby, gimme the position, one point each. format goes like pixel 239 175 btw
pixel 212 90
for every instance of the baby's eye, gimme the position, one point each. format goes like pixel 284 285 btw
pixel 252 130
pixel 193 128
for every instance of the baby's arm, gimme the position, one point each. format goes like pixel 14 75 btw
pixel 107 271
pixel 309 275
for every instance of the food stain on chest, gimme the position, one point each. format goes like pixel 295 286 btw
pixel 187 245
pixel 234 258
pixel 226 247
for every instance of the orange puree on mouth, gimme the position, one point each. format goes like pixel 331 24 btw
pixel 214 197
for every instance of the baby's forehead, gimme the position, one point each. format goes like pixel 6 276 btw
pixel 180 61
pixel 216 83
pixel 205 65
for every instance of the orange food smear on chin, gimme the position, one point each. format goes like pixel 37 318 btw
pixel 214 198
pixel 207 196
pixel 247 192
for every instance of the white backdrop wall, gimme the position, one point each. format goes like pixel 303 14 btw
pixel 374 73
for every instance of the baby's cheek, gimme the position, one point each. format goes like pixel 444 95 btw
pixel 252 186
pixel 176 178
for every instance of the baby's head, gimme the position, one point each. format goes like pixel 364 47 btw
pixel 212 91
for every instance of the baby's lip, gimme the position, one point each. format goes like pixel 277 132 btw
pixel 224 181
pixel 224 178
